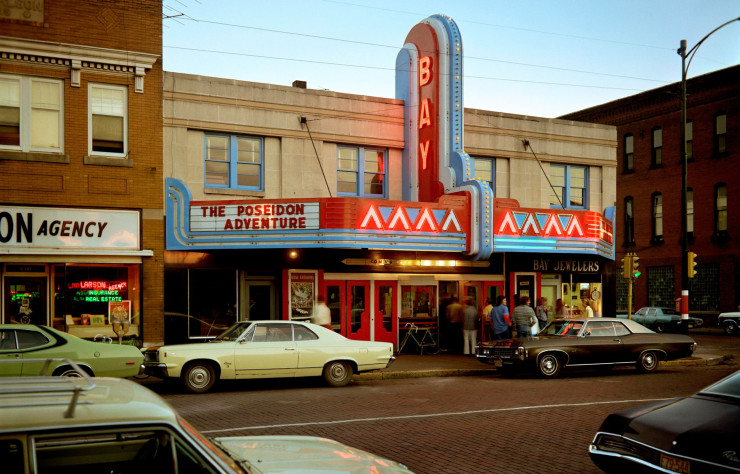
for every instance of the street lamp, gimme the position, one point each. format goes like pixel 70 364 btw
pixel 684 218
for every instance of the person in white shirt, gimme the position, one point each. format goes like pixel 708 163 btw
pixel 321 313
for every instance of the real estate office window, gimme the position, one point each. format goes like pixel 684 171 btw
pixel 31 114
pixel 107 120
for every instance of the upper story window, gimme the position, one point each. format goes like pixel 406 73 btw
pixel 107 120
pixel 234 162
pixel 657 218
pixel 570 184
pixel 485 170
pixel 31 117
pixel 629 220
pixel 657 154
pixel 720 208
pixel 689 140
pixel 720 134
pixel 362 172
pixel 629 153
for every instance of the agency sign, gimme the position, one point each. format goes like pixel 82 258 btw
pixel 52 228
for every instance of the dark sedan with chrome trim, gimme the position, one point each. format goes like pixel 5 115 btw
pixel 582 342
pixel 697 434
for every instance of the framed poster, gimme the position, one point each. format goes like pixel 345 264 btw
pixel 119 310
pixel 302 294
pixel 97 320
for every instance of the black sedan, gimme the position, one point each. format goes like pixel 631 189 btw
pixel 597 342
pixel 698 434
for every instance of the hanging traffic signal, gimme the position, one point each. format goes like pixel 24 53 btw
pixel 627 266
pixel 635 272
pixel 691 264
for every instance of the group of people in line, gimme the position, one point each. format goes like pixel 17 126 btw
pixel 463 320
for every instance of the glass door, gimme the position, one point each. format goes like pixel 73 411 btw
pixel 358 310
pixel 335 300
pixel 386 295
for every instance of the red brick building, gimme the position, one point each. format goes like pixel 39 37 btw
pixel 649 190
pixel 81 219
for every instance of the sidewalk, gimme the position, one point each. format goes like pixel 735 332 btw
pixel 454 365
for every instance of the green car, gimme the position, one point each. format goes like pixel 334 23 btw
pixel 27 341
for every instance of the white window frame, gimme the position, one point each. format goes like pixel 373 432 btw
pixel 90 88
pixel 26 108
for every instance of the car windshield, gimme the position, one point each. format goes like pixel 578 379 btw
pixel 727 387
pixel 233 333
pixel 562 328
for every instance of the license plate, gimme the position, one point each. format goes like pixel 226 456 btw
pixel 674 464
pixel 497 363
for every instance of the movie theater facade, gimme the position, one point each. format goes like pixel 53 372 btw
pixel 386 207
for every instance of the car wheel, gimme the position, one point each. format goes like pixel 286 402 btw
pixel 549 366
pixel 67 371
pixel 730 327
pixel 337 373
pixel 199 377
pixel 648 361
pixel 660 327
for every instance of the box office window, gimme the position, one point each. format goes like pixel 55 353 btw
pixel 107 120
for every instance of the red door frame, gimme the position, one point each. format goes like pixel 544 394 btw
pixel 382 334
pixel 363 315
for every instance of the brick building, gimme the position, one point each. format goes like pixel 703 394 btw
pixel 81 203
pixel 649 190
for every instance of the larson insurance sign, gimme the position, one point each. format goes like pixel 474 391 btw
pixel 57 228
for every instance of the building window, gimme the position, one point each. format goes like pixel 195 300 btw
pixel 704 288
pixel 485 170
pixel 720 134
pixel 31 117
pixel 234 162
pixel 623 293
pixel 660 286
pixel 657 218
pixel 570 186
pixel 629 153
pixel 361 172
pixel 689 140
pixel 720 213
pixel 629 221
pixel 657 148
pixel 107 120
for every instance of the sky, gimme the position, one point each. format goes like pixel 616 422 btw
pixel 528 57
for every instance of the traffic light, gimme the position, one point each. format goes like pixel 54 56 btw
pixel 692 264
pixel 635 272
pixel 627 266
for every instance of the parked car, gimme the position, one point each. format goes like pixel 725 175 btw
pixel 730 322
pixel 662 319
pixel 697 434
pixel 586 342
pixel 26 341
pixel 117 425
pixel 264 349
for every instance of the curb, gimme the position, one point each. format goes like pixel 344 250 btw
pixel 407 374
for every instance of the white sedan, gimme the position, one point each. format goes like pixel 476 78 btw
pixel 267 349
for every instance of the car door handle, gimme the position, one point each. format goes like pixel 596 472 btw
pixel 290 348
pixel 617 340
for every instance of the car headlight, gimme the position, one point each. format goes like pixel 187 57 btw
pixel 520 352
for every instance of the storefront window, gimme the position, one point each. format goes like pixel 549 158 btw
pixel 83 293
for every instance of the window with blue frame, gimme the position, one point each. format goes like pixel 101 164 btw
pixel 570 186
pixel 362 172
pixel 234 162
pixel 485 170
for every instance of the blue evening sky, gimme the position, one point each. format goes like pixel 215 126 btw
pixel 529 57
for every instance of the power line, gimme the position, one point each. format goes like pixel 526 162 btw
pixel 380 68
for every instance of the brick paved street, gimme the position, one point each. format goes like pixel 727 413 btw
pixel 476 424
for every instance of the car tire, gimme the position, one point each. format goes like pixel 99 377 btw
pixel 730 327
pixel 337 373
pixel 549 366
pixel 648 362
pixel 199 377
pixel 660 327
pixel 67 371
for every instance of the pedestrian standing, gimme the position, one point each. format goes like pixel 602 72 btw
pixel 487 323
pixel 523 317
pixel 469 328
pixel 500 320
pixel 542 312
pixel 588 311
pixel 321 314
pixel 454 317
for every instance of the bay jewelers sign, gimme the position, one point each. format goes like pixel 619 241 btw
pixel 58 228
pixel 244 217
